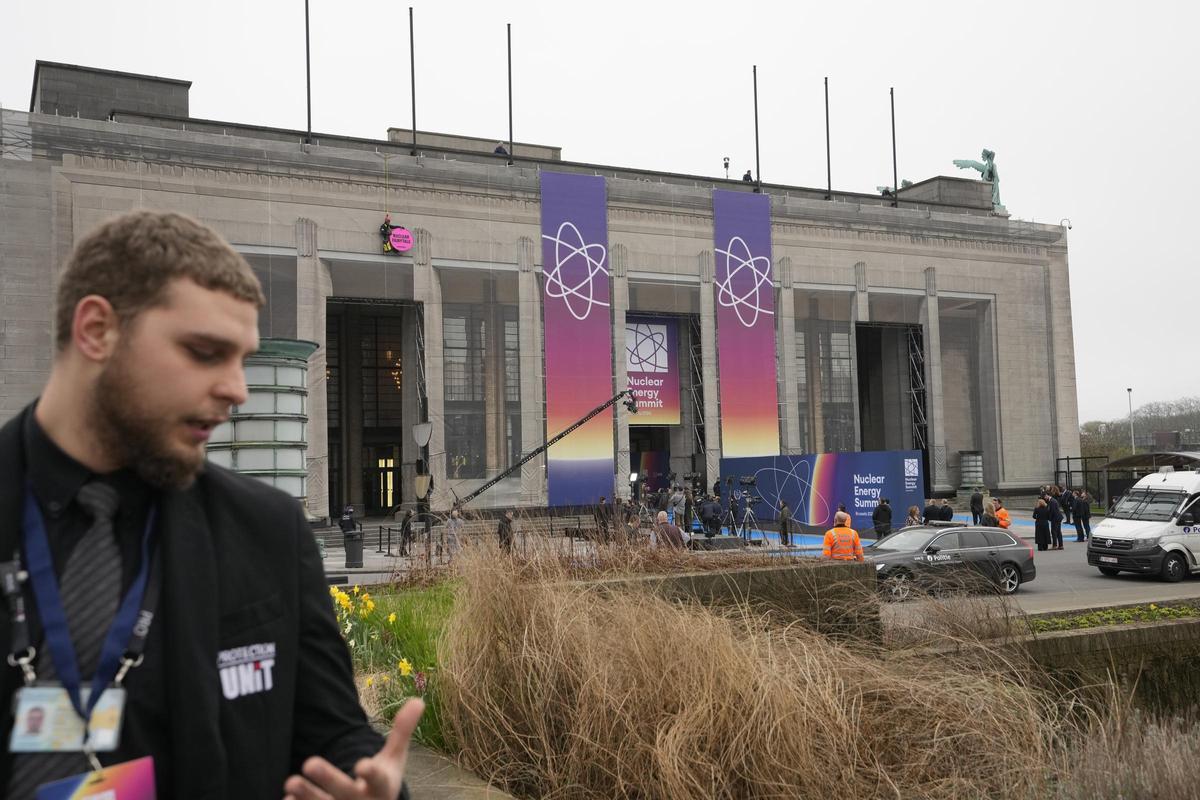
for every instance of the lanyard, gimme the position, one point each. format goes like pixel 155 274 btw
pixel 126 640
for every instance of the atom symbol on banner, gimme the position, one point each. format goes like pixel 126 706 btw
pixel 649 350
pixel 565 253
pixel 738 258
pixel 800 473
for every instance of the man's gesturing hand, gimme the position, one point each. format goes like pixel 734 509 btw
pixel 376 778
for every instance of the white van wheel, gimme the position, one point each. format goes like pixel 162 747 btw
pixel 1174 568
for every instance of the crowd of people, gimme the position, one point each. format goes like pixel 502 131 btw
pixel 678 513
pixel 1056 505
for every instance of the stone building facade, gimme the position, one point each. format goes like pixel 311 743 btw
pixel 914 320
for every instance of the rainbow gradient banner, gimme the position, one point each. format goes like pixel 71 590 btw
pixel 578 336
pixel 815 485
pixel 745 292
pixel 652 367
pixel 132 779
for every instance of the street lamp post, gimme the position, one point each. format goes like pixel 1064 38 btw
pixel 1132 446
pixel 423 483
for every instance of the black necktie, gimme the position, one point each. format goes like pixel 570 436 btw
pixel 90 589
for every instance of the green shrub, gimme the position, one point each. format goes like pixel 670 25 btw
pixel 1112 616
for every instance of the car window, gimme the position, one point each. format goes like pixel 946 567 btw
pixel 998 538
pixel 947 541
pixel 910 539
pixel 972 539
pixel 1192 506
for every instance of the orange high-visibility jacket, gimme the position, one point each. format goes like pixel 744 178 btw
pixel 1003 517
pixel 842 544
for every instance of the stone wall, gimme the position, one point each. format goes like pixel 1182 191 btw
pixel 70 91
pixel 1155 662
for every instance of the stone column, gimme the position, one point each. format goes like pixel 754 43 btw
pixel 313 286
pixel 533 387
pixel 812 344
pixel 862 297
pixel 860 311
pixel 427 289
pixel 990 429
pixel 619 268
pixel 410 359
pixel 785 336
pixel 1064 400
pixel 935 433
pixel 708 365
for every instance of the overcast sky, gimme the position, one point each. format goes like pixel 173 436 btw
pixel 1091 109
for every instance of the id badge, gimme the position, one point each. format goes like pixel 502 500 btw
pixel 132 780
pixel 44 721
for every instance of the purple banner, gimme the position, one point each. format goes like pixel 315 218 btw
pixel 578 337
pixel 652 365
pixel 745 292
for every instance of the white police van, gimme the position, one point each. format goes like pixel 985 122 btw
pixel 1153 529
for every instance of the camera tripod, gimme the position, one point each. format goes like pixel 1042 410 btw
pixel 646 514
pixel 749 522
pixel 727 521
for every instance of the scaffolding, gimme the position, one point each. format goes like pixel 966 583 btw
pixel 696 376
pixel 916 387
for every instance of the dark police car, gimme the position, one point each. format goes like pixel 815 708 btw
pixel 938 556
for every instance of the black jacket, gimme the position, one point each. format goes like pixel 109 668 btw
pixel 1056 514
pixel 882 515
pixel 931 513
pixel 240 567
pixel 1082 508
pixel 977 503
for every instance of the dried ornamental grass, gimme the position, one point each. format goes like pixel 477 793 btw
pixel 555 690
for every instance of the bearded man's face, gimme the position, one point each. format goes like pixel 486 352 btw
pixel 175 373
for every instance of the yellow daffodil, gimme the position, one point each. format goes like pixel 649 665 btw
pixel 355 589
pixel 1153 607
pixel 333 591
pixel 370 681
pixel 392 618
pixel 370 605
pixel 365 596
pixel 405 667
pixel 385 678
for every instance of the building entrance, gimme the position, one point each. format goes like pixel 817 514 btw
pixel 381 479
pixel 371 358
pixel 891 387
pixel 650 457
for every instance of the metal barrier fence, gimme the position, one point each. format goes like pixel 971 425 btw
pixel 1076 472
pixel 566 536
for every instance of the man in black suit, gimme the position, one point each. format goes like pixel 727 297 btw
pixel 244 687
pixel 881 518
pixel 976 507
pixel 931 513
pixel 1056 519
pixel 946 510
